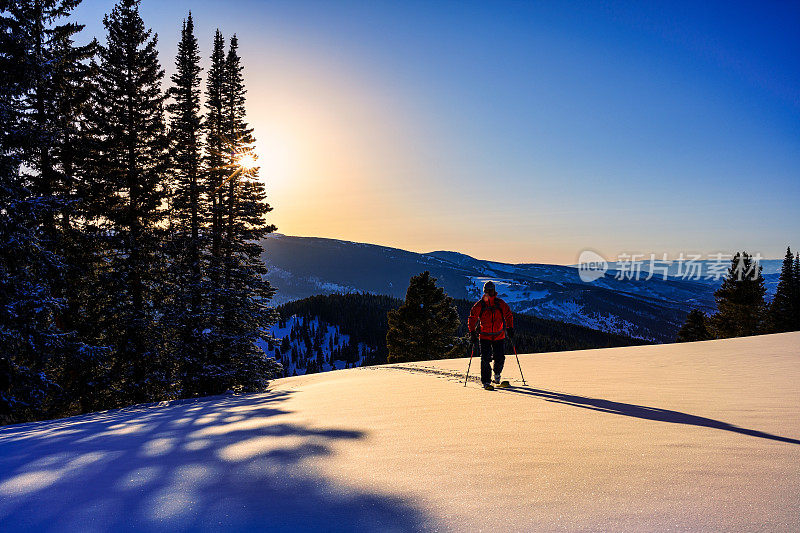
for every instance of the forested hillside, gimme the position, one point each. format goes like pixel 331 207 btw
pixel 342 330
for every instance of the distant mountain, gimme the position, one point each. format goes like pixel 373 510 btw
pixel 647 309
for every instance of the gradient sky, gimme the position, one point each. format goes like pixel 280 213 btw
pixel 518 131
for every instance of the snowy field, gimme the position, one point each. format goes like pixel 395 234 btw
pixel 700 436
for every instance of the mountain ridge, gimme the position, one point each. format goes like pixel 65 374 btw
pixel 651 310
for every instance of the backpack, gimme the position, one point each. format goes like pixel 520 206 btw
pixel 494 306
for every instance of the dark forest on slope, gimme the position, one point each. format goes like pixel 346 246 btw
pixel 363 317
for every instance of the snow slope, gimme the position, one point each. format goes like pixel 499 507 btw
pixel 701 436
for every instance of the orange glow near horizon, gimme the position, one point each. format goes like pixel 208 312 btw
pixel 345 158
pixel 527 135
pixel 338 164
pixel 345 154
pixel 328 148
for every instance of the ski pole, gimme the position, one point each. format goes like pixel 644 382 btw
pixel 466 378
pixel 514 345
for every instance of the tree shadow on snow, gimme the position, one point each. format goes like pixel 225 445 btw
pixel 214 464
pixel 641 411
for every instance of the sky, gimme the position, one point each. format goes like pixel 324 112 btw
pixel 519 132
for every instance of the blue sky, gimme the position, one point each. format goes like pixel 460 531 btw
pixel 519 131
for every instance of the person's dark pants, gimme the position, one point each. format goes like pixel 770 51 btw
pixel 491 350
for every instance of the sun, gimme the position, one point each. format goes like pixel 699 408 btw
pixel 247 162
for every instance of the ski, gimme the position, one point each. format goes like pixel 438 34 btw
pixel 501 385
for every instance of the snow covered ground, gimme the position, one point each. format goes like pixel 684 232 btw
pixel 700 436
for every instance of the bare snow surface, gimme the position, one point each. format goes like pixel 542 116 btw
pixel 700 436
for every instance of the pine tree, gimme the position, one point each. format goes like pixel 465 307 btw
pixel 106 234
pixel 27 335
pixel 425 326
pixel 243 315
pixel 126 197
pixel 58 102
pixel 42 72
pixel 238 144
pixel 796 295
pixel 43 61
pixel 740 300
pixel 782 312
pixel 20 336
pixel 215 153
pixel 215 172
pixel 695 328
pixel 186 235
pixel 72 82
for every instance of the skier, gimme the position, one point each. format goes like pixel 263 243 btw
pixel 496 321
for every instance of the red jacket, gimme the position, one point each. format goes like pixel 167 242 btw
pixel 493 316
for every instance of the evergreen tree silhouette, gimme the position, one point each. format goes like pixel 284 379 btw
pixel 695 328
pixel 187 235
pixel 796 295
pixel 425 326
pixel 128 192
pixel 782 311
pixel 740 300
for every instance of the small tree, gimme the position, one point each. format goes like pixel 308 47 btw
pixel 782 312
pixel 695 328
pixel 425 326
pixel 740 300
pixel 796 295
